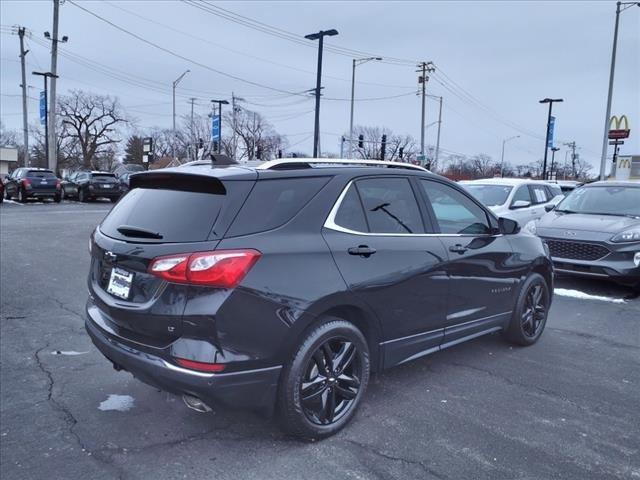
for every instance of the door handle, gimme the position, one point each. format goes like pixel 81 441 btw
pixel 362 250
pixel 457 248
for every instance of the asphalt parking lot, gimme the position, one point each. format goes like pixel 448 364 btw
pixel 566 408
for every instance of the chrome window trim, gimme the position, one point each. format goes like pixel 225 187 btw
pixel 330 223
pixel 271 164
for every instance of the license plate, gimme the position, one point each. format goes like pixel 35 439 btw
pixel 106 186
pixel 120 283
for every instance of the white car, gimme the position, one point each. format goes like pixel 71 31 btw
pixel 519 199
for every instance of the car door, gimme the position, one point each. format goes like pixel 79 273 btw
pixel 13 181
pixel 377 236
pixel 481 273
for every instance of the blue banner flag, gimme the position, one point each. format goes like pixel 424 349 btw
pixel 43 107
pixel 215 128
pixel 552 124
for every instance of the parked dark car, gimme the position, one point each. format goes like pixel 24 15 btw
pixel 123 180
pixel 87 186
pixel 25 183
pixel 1 192
pixel 595 232
pixel 287 284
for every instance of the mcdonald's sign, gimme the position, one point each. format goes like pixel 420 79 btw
pixel 615 127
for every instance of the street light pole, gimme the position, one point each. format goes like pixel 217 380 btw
pixel 502 157
pixel 46 75
pixel 316 128
pixel 219 103
pixel 356 62
pixel 607 117
pixel 550 101
pixel 175 84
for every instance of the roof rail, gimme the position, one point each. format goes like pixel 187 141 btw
pixel 293 163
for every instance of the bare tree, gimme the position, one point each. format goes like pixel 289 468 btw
pixel 483 165
pixel 257 139
pixel 92 120
pixel 372 144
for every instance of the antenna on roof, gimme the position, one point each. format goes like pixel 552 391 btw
pixel 220 159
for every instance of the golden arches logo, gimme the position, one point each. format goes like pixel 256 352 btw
pixel 624 162
pixel 616 123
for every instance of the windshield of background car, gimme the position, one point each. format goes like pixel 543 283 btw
pixel 490 195
pixel 606 200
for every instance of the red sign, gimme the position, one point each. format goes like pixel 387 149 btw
pixel 620 133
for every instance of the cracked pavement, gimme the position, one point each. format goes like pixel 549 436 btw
pixel 566 408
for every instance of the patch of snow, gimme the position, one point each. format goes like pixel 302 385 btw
pixel 67 352
pixel 13 202
pixel 565 292
pixel 120 403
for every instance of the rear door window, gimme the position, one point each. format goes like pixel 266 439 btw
pixel 390 205
pixel 176 215
pixel 272 203
pixel 538 194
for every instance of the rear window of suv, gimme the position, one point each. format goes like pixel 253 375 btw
pixel 40 174
pixel 272 203
pixel 177 215
pixel 103 177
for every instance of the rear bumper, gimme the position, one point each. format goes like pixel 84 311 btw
pixel 41 193
pixel 252 389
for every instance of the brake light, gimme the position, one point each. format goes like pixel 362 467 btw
pixel 58 184
pixel 219 268
pixel 26 182
pixel 200 366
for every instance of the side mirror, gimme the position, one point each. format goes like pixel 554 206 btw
pixel 520 204
pixel 508 226
pixel 549 207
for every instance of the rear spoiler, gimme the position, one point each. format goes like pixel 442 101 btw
pixel 186 182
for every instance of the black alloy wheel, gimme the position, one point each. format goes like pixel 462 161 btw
pixel 81 196
pixel 324 382
pixel 535 311
pixel 331 381
pixel 22 196
pixel 530 313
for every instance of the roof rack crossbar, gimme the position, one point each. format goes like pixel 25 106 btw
pixel 308 162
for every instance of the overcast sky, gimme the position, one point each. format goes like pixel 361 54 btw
pixel 505 55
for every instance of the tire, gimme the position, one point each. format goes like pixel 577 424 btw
pixel 530 314
pixel 58 198
pixel 7 195
pixel 340 382
pixel 113 199
pixel 82 198
pixel 22 196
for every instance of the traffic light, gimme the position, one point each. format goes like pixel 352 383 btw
pixel 360 141
pixel 279 153
pixel 259 153
pixel 401 152
pixel 383 147
pixel 200 144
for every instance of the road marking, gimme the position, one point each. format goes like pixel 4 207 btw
pixel 565 292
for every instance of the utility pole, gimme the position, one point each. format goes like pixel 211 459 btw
pixel 553 160
pixel 316 129
pixel 52 151
pixel 620 7
pixel 438 138
pixel 233 123
pixel 572 146
pixel 424 68
pixel 194 150
pixel 173 125
pixel 25 123
pixel 548 139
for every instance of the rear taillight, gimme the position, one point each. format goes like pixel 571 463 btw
pixel 200 366
pixel 58 184
pixel 26 182
pixel 219 268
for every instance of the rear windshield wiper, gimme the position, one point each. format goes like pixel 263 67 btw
pixel 129 231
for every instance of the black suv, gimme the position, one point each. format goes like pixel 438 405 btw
pixel 25 183
pixel 286 284
pixel 87 186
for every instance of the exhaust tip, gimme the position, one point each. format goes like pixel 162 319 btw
pixel 194 403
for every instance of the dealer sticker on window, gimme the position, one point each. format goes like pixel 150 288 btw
pixel 120 283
